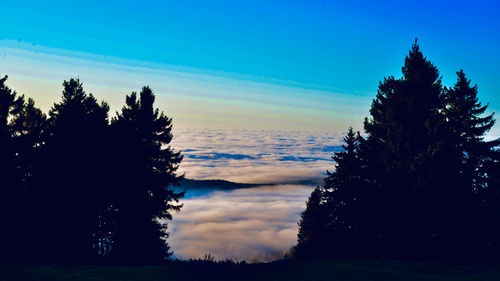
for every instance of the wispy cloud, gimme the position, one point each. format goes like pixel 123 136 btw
pixel 256 156
pixel 195 98
pixel 244 224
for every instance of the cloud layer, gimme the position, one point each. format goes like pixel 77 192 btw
pixel 247 224
pixel 244 224
pixel 256 156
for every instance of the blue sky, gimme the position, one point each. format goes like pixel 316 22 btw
pixel 327 54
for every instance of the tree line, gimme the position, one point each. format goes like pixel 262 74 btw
pixel 420 183
pixel 80 187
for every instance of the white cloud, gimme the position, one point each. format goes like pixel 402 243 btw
pixel 244 224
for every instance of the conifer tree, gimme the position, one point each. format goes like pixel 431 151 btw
pixel 337 211
pixel 21 140
pixel 11 106
pixel 478 164
pixel 344 195
pixel 30 128
pixel 74 181
pixel 408 159
pixel 424 184
pixel 10 186
pixel 463 113
pixel 146 169
pixel 312 233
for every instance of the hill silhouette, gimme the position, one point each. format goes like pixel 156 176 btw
pixel 218 184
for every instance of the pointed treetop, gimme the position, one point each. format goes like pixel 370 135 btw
pixel 419 68
pixel 415 46
pixel 10 102
pixel 147 99
pixel 73 89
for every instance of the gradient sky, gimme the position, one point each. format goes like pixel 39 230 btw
pixel 245 64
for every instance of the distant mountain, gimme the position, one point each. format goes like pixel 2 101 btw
pixel 229 185
pixel 214 184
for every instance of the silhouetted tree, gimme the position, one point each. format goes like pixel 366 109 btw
pixel 11 106
pixel 463 113
pixel 145 170
pixel 312 228
pixel 467 130
pixel 21 133
pixel 30 128
pixel 73 186
pixel 406 144
pixel 478 163
pixel 29 139
pixel 345 196
pixel 423 185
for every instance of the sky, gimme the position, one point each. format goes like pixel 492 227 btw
pixel 294 65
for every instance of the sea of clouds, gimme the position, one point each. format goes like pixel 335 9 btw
pixel 250 224
pixel 256 156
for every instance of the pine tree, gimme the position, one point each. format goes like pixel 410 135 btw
pixel 29 139
pixel 10 186
pixel 147 168
pixel 30 127
pixel 478 164
pixel 410 163
pixel 11 106
pixel 336 212
pixel 344 195
pixel 312 228
pixel 405 114
pixel 74 181
pixel 424 184
pixel 463 113
pixel 21 139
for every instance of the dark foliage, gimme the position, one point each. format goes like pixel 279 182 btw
pixel 21 126
pixel 146 166
pixel 73 191
pixel 74 176
pixel 424 183
pixel 312 228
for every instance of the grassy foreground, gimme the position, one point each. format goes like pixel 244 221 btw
pixel 305 270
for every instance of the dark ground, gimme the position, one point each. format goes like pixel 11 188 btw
pixel 305 270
